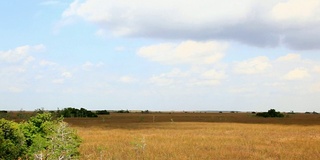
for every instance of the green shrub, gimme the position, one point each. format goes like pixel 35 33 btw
pixel 41 137
pixel 12 140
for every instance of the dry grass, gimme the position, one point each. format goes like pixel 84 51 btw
pixel 198 136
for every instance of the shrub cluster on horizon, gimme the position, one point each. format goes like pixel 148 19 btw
pixel 74 112
pixel 270 113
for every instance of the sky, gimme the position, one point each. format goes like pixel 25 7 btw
pixel 168 55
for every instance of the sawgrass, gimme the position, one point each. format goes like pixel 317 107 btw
pixel 198 136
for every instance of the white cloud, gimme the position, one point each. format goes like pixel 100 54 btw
pixel 241 90
pixel 315 87
pixel 187 52
pixel 316 68
pixel 50 2
pixel 161 80
pixel 58 81
pixel 297 74
pixel 66 75
pixel 210 77
pixel 253 66
pixel 127 79
pixel 89 65
pixel 39 48
pixel 213 74
pixel 166 79
pixel 15 55
pixel 189 78
pixel 20 54
pixel 296 11
pixel 289 58
pixel 47 63
pixel 15 89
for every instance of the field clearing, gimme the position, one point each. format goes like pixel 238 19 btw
pixel 198 136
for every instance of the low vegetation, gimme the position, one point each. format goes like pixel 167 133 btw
pixel 138 135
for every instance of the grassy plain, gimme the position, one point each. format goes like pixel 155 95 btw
pixel 193 136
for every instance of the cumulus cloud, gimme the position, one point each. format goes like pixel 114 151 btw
pixel 253 66
pixel 297 74
pixel 187 52
pixel 189 78
pixel 20 54
pixel 294 23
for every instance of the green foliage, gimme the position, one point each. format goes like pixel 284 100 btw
pixel 270 113
pixel 12 141
pixel 74 112
pixel 41 137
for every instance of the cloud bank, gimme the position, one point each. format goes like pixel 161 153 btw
pixel 293 23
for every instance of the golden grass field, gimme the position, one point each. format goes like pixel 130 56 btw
pixel 193 136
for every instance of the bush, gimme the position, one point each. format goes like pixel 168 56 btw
pixel 40 137
pixel 270 113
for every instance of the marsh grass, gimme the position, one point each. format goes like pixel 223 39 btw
pixel 199 136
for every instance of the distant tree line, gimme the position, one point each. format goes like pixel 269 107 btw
pixel 123 111
pixel 146 111
pixel 102 112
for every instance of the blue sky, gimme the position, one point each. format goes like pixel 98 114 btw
pixel 160 55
